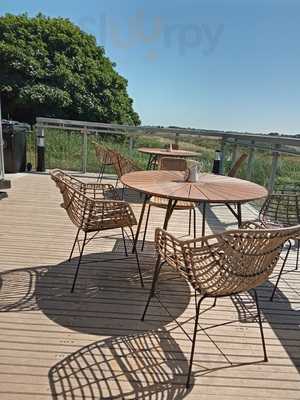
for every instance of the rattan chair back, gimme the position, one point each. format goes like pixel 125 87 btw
pixel 103 154
pixel 237 165
pixel 282 209
pixel 75 202
pixel 122 165
pixel 172 164
pixel 95 190
pixel 59 176
pixel 91 214
pixel 228 263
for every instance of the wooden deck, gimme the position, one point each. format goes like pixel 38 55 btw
pixel 92 344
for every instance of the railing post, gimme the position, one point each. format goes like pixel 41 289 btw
pixel 84 149
pixel 274 168
pixel 1 148
pixel 222 156
pixel 251 160
pixel 40 148
pixel 177 138
pixel 236 152
pixel 131 143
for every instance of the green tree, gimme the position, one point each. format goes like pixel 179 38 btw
pixel 51 68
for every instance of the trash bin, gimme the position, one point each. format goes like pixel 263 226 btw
pixel 14 145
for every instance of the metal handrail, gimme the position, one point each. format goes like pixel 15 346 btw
pixel 275 144
pixel 1 148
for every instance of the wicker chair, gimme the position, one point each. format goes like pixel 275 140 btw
pixel 156 161
pixel 91 214
pixel 281 210
pixel 221 265
pixel 91 189
pixel 171 164
pixel 122 165
pixel 103 155
pixel 237 165
pixel 233 173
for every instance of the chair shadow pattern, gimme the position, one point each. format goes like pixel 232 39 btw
pixel 107 301
pixel 139 360
pixel 148 366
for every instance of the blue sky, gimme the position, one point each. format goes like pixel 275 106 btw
pixel 215 64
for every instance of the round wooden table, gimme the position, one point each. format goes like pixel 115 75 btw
pixel 209 188
pixel 155 152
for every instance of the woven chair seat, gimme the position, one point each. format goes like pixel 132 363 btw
pixel 227 263
pixel 103 225
pixel 162 202
pixel 91 212
pixel 258 224
pixel 220 265
pixel 122 164
pixel 171 164
pixel 103 154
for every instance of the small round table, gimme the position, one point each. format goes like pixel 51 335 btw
pixel 154 153
pixel 209 188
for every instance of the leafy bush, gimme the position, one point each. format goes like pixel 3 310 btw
pixel 51 68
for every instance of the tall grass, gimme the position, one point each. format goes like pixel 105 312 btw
pixel 64 150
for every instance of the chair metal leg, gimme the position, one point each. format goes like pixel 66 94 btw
pixel 79 261
pixel 215 302
pixel 203 218
pixel 73 247
pixel 104 166
pixel 298 251
pixel 190 221
pixel 146 227
pixel 260 326
pixel 100 175
pixel 146 198
pixel 239 214
pixel 137 259
pixel 154 281
pixel 194 221
pixel 283 264
pixel 194 341
pixel 124 242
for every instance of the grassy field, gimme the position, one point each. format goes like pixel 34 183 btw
pixel 64 150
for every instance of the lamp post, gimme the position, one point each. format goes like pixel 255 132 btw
pixel 4 184
pixel 1 148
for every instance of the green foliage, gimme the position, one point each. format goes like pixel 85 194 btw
pixel 63 150
pixel 50 68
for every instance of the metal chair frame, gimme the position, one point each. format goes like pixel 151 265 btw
pixel 103 156
pixel 232 173
pixel 91 215
pixel 171 164
pixel 122 165
pixel 221 265
pixel 281 209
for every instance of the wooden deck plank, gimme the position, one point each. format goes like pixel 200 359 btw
pixel 92 344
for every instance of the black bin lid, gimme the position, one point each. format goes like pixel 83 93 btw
pixel 15 126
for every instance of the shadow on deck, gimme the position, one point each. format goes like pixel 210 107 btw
pixel 140 360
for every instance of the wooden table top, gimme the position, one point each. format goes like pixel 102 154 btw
pixel 167 152
pixel 209 188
